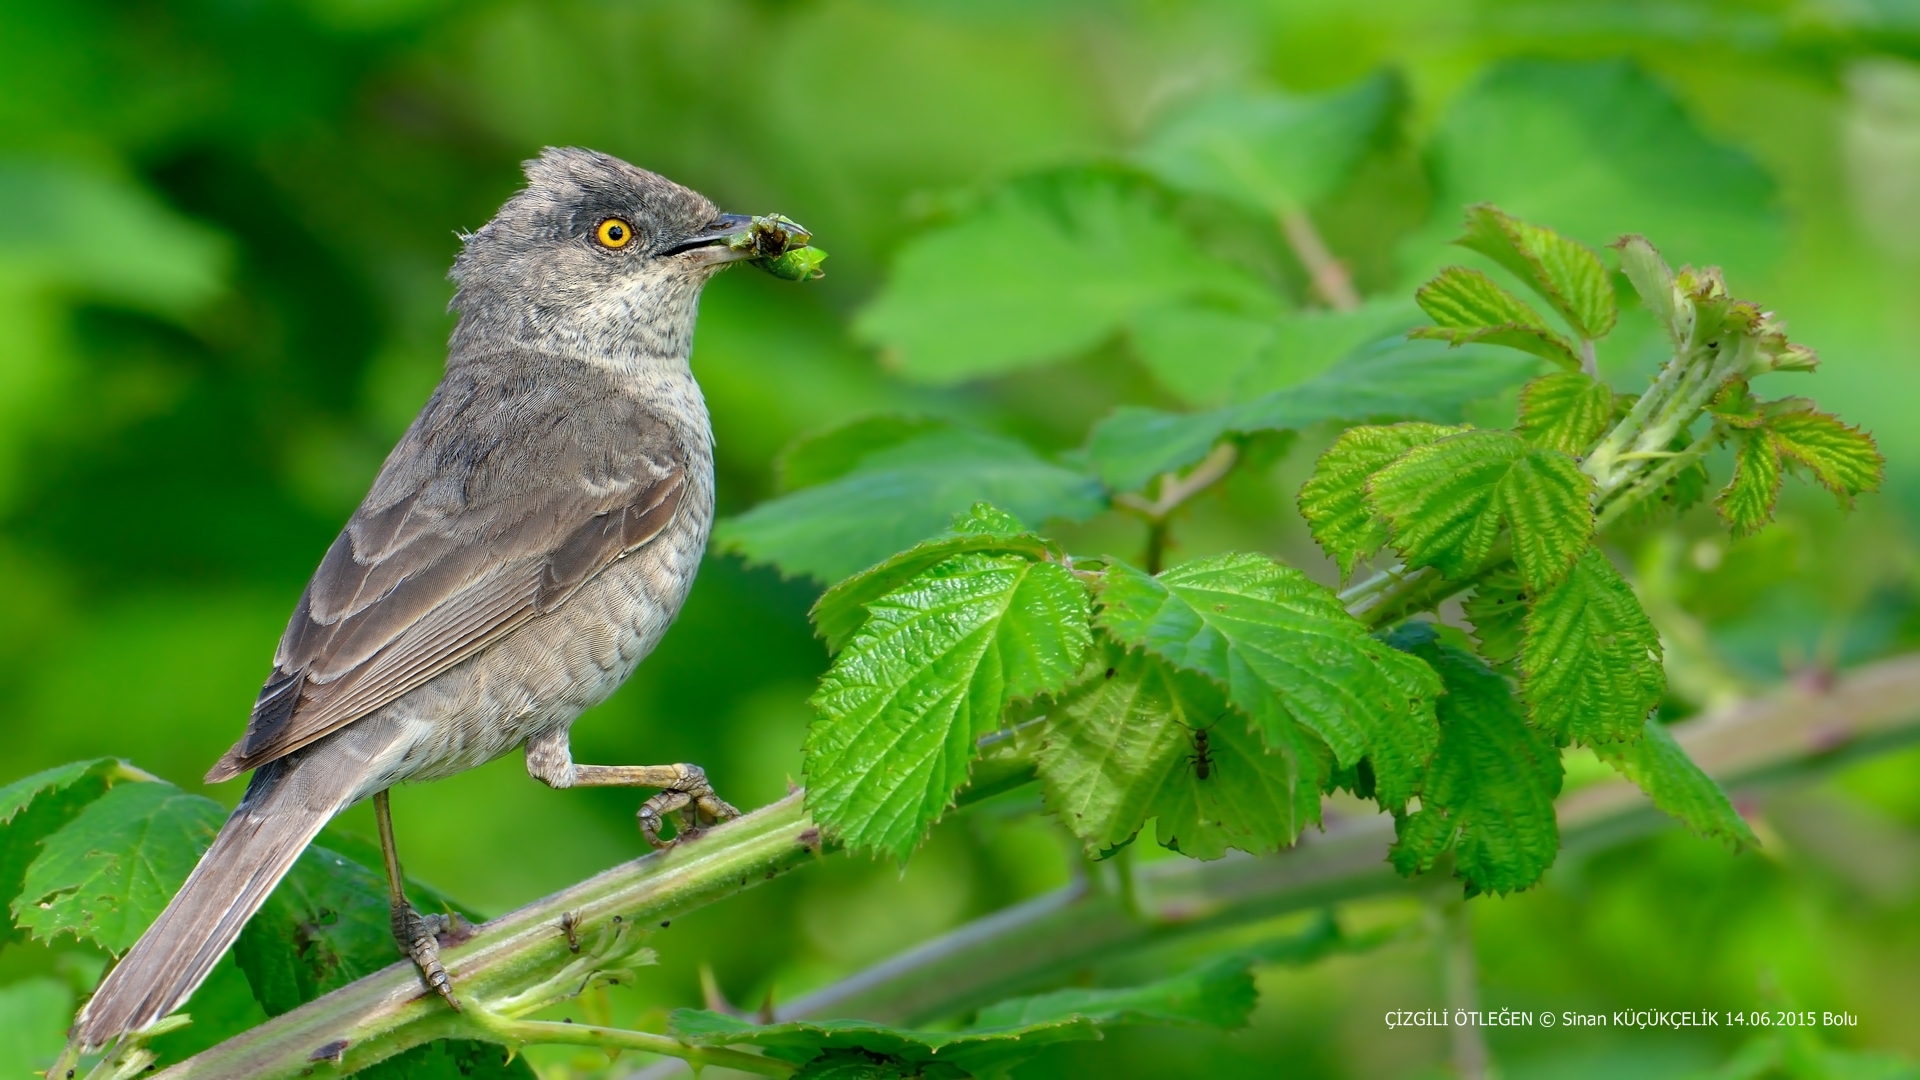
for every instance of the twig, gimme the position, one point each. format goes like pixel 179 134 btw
pixel 1329 274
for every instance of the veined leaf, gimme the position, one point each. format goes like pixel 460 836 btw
pixel 1566 274
pixel 931 671
pixel 1591 661
pixel 1219 995
pixel 1497 608
pixel 1334 498
pixel 1746 503
pixel 37 806
pixel 325 925
pixel 1397 380
pixel 1840 456
pixel 1044 269
pixel 841 610
pixel 1678 786
pixel 1488 795
pixel 1467 307
pixel 106 874
pixel 1121 746
pixel 902 494
pixel 1271 152
pixel 1445 504
pixel 1566 411
pixel 1287 653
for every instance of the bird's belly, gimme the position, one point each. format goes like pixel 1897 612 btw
pixel 550 670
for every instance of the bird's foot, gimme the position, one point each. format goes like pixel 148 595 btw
pixel 691 798
pixel 420 937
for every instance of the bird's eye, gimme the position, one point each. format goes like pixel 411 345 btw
pixel 614 233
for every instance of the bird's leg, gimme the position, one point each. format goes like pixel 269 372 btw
pixel 684 789
pixel 416 934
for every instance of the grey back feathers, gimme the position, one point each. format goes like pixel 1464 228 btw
pixel 567 435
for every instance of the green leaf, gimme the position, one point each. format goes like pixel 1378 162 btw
pixel 906 1052
pixel 841 610
pixel 1120 747
pixel 1445 503
pixel 1497 608
pixel 900 495
pixel 1746 503
pixel 1599 149
pixel 34 808
pixel 1287 653
pixel 1488 795
pixel 325 925
pixel 1468 308
pixel 933 669
pixel 1399 380
pixel 1566 411
pixel 1334 498
pixel 1652 278
pixel 831 454
pixel 1840 456
pixel 1678 786
pixel 1218 995
pixel 1566 274
pixel 1591 661
pixel 1044 269
pixel 1198 351
pixel 107 874
pixel 1272 152
pixel 34 1014
pixel 1305 344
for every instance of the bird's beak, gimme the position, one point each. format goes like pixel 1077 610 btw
pixel 733 237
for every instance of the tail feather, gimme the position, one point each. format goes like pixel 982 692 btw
pixel 285 807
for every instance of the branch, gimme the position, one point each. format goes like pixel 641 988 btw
pixel 1329 274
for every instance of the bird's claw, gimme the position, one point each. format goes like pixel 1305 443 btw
pixel 692 799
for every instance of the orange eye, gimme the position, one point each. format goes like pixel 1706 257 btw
pixel 614 233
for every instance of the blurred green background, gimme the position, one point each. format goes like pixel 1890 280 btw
pixel 224 229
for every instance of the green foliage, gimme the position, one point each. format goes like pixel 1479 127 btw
pixel 1678 787
pixel 1566 411
pixel 1288 655
pixel 1590 662
pixel 1565 274
pixel 1042 269
pixel 1840 456
pixel 1488 795
pixel 933 669
pixel 1334 500
pixel 1447 502
pixel 325 925
pixel 1121 747
pixel 1497 608
pixel 107 873
pixel 1270 152
pixel 36 807
pixel 1746 503
pixel 1467 307
pixel 1397 381
pixel 899 493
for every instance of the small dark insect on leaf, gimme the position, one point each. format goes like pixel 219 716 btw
pixel 1109 673
pixel 1202 757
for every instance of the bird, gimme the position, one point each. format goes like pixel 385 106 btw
pixel 524 546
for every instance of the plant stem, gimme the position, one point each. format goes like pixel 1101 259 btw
pixel 1460 974
pixel 525 1032
pixel 1329 274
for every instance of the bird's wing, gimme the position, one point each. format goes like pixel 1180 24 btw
pixel 467 535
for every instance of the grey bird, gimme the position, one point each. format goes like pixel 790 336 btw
pixel 524 546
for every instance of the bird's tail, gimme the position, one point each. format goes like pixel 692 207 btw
pixel 285 806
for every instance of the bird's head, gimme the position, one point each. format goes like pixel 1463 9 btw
pixel 593 254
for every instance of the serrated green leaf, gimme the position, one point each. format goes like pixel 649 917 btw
pixel 106 874
pixel 34 808
pixel 1397 380
pixel 1334 498
pixel 1271 152
pixel 906 1051
pixel 1217 995
pixel 1468 307
pixel 1566 411
pixel 1591 661
pixel 1566 274
pixel 1287 653
pixel 1746 503
pixel 828 455
pixel 841 610
pixel 1676 785
pixel 902 494
pixel 931 671
pixel 1046 268
pixel 1497 608
pixel 1840 456
pixel 1121 747
pixel 1652 278
pixel 1445 504
pixel 1488 794
pixel 325 925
